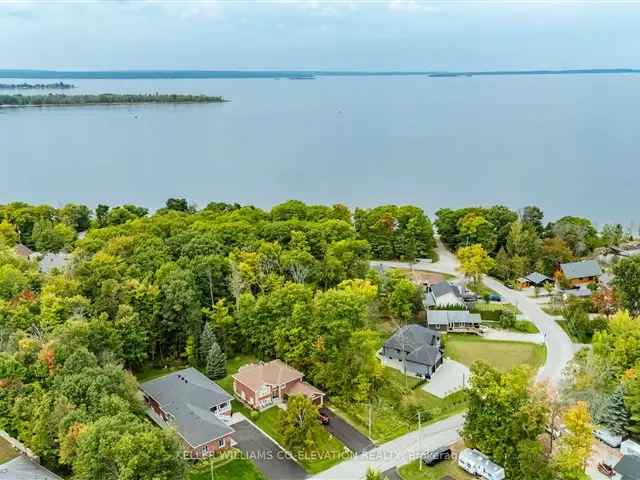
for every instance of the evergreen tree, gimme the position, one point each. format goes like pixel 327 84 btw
pixel 207 339
pixel 216 362
pixel 616 418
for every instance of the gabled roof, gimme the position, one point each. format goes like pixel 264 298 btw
pixel 23 251
pixel 442 288
pixel 629 467
pixel 425 355
pixel 446 317
pixel 537 278
pixel 303 388
pixel 275 372
pixel 187 395
pixel 587 268
pixel 23 468
pixel 411 337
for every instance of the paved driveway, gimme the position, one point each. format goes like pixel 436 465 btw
pixel 346 433
pixel 265 454
pixel 449 378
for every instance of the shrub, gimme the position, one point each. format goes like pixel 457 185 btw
pixel 507 319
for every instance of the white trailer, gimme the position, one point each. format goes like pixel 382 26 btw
pixel 476 463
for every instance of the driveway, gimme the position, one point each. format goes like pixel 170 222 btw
pixel 400 451
pixel 449 378
pixel 268 456
pixel 346 433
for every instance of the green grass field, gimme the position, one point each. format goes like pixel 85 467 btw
pixel 412 471
pixel 501 355
pixel 232 466
pixel 7 452
pixel 394 405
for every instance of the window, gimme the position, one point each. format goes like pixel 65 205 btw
pixel 205 450
pixel 221 443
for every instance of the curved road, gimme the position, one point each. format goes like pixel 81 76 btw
pixel 560 350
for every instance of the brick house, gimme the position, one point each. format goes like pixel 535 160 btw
pixel 197 408
pixel 261 385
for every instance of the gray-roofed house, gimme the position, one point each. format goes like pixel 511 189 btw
pixel 453 320
pixel 535 279
pixel 23 468
pixel 628 468
pixel 580 273
pixel 54 261
pixel 418 347
pixel 198 408
pixel 444 294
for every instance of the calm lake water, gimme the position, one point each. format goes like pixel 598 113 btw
pixel 569 144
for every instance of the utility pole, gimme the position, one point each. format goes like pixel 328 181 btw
pixel 419 442
pixel 369 418
pixel 211 463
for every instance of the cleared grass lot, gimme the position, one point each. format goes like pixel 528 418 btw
pixel 412 471
pixel 502 355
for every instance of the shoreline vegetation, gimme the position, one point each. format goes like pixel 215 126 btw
pixel 52 100
pixel 36 86
pixel 291 74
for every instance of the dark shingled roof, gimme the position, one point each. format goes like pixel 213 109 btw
pixel 537 278
pixel 629 467
pixel 188 395
pixel 442 288
pixel 587 268
pixel 425 355
pixel 411 337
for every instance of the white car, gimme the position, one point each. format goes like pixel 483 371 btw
pixel 608 438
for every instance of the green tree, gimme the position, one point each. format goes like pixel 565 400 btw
pixel 402 300
pixel 474 261
pixel 616 417
pixel 299 425
pixel 8 234
pixel 574 446
pixel 207 339
pixel 216 362
pixel 532 218
pixel 627 283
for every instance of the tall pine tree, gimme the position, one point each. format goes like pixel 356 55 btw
pixel 616 416
pixel 207 339
pixel 216 362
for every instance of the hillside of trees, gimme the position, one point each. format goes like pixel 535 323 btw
pixel 55 99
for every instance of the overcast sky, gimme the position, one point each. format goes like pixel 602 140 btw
pixel 383 34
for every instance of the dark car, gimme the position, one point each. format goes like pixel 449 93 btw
pixel 436 455
pixel 324 419
pixel 494 297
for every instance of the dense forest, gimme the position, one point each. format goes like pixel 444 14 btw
pixel 101 99
pixel 145 290
pixel 36 86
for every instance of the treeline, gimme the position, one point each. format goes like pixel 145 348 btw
pixel 36 86
pixel 102 99
pixel 520 243
pixel 149 290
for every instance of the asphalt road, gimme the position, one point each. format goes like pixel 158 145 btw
pixel 265 454
pixel 346 433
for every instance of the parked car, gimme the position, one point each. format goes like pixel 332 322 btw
pixel 608 438
pixel 324 419
pixel 494 297
pixel 606 470
pixel 436 455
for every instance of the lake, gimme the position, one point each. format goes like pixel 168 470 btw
pixel 568 143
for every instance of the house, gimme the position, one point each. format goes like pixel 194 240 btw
pixel 477 463
pixel 24 468
pixel 23 251
pixel 418 347
pixel 196 407
pixel 53 261
pixel 534 279
pixel 628 468
pixel 444 294
pixel 261 385
pixel 453 320
pixel 580 273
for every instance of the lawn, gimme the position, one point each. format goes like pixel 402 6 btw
pixel 412 471
pixel 394 406
pixel 501 355
pixel 7 452
pixel 228 467
pixel 330 450
pixel 150 372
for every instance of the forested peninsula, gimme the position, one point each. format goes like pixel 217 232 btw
pixel 101 99
pixel 37 86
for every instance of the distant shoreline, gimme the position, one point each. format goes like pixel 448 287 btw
pixel 61 100
pixel 271 74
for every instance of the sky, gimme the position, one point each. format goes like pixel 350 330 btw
pixel 316 34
